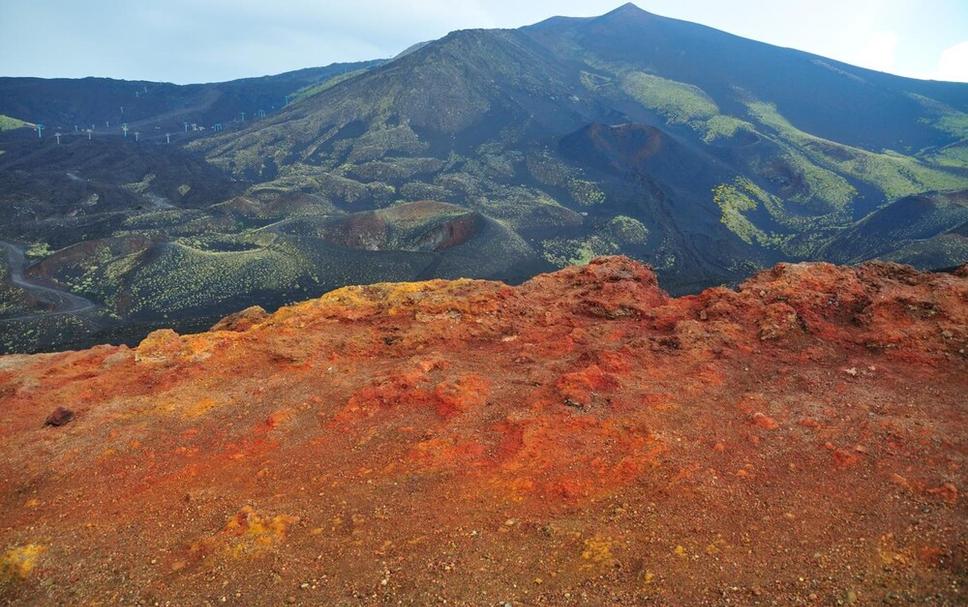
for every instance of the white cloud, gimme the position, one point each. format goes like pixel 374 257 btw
pixel 953 64
pixel 879 52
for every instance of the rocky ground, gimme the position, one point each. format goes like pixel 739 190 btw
pixel 582 439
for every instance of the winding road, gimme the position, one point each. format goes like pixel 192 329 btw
pixel 63 302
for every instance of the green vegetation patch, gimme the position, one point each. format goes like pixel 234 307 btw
pixel 330 186
pixel 625 230
pixel 737 199
pixel 140 187
pixel 183 277
pixel 954 123
pixel 548 170
pixel 13 300
pixel 523 208
pixel 325 85
pixel 393 169
pixel 682 103
pixel 822 183
pixel 609 238
pixel 896 175
pixel 38 250
pixel 552 172
pixel 492 163
pixel 679 102
pixel 8 123
pixel 418 190
pixel 955 156
pixel 378 142
pixel 943 117
pixel 733 201
pixel 594 82
pixel 586 193
pixel 722 126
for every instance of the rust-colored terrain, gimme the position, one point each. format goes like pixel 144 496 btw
pixel 582 439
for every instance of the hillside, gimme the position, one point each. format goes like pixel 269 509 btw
pixel 923 220
pixel 731 153
pixel 707 155
pixel 582 439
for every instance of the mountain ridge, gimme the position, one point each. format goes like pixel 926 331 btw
pixel 62 103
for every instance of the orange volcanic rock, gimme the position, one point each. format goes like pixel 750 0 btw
pixel 582 439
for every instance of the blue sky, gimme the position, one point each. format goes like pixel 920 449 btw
pixel 209 40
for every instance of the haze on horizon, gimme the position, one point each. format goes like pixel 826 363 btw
pixel 187 41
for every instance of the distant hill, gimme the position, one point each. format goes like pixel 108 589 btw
pixel 925 230
pixel 104 104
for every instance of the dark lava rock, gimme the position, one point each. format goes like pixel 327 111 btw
pixel 59 417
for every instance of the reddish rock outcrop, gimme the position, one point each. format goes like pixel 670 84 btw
pixel 580 439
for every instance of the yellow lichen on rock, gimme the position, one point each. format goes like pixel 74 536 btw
pixel 19 561
pixel 165 347
pixel 250 533
pixel 598 551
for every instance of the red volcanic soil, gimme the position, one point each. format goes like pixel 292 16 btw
pixel 582 439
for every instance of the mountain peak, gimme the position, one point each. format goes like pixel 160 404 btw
pixel 627 9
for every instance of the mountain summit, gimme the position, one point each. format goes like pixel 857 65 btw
pixel 629 10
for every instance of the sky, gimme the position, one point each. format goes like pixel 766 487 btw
pixel 187 41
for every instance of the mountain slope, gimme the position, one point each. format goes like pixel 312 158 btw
pixel 774 148
pixel 706 155
pixel 827 98
pixel 912 219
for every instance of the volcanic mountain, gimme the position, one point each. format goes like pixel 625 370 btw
pixel 581 439
pixel 707 155
pixel 730 153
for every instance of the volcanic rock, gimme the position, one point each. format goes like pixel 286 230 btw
pixel 647 449
pixel 59 417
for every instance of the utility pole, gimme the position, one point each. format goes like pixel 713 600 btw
pixel 40 131
pixel 89 131
pixel 186 127
pixel 287 101
pixel 124 129
pixel 167 137
pixel 243 116
pixel 58 137
pixel 261 114
pixel 136 133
